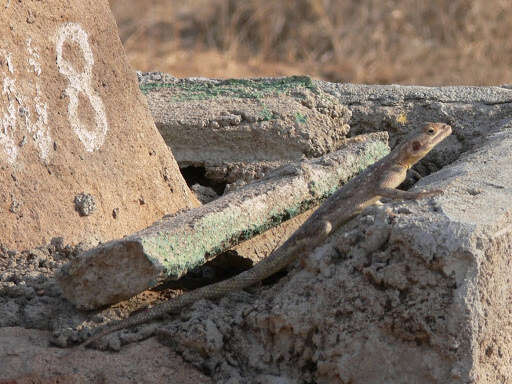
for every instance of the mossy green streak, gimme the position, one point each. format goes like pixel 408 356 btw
pixel 186 89
pixel 178 253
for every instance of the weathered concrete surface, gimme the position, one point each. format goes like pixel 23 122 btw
pixel 32 305
pixel 241 129
pixel 170 248
pixel 25 358
pixel 72 121
pixel 471 111
pixel 419 293
pixel 183 106
pixel 378 308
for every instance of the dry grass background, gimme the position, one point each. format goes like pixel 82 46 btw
pixel 368 41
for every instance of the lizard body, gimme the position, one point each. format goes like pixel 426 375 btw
pixel 377 181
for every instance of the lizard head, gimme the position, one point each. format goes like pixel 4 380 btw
pixel 421 141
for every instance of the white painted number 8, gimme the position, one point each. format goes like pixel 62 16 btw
pixel 81 82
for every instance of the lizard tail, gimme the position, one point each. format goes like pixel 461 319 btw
pixel 280 258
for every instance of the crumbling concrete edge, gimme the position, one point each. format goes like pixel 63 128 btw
pixel 461 237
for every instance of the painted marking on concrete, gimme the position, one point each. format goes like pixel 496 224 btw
pixel 81 83
pixel 33 111
pixel 33 58
pixel 8 122
pixel 8 58
pixel 38 130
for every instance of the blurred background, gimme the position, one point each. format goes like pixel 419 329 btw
pixel 436 42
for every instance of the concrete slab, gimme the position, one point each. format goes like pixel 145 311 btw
pixel 240 129
pixel 73 122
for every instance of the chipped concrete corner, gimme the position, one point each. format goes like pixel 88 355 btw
pixel 171 247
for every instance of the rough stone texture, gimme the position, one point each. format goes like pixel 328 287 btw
pixel 182 106
pixel 418 295
pixel 72 120
pixel 414 294
pixel 204 194
pixel 122 268
pixel 471 111
pixel 31 303
pixel 240 129
pixel 25 358
pixel 426 287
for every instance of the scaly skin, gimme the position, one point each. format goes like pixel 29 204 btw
pixel 377 181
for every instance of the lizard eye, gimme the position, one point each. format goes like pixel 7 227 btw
pixel 431 131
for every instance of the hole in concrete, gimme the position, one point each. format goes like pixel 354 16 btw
pixel 197 175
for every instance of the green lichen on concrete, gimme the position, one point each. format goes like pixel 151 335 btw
pixel 300 118
pixel 176 253
pixel 273 219
pixel 186 90
pixel 180 252
pixel 374 151
pixel 266 114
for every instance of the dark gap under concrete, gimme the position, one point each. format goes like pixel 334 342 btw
pixel 197 175
pixel 224 266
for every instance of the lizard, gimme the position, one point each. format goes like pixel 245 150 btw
pixel 379 180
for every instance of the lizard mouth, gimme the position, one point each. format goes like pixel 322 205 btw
pixel 442 132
